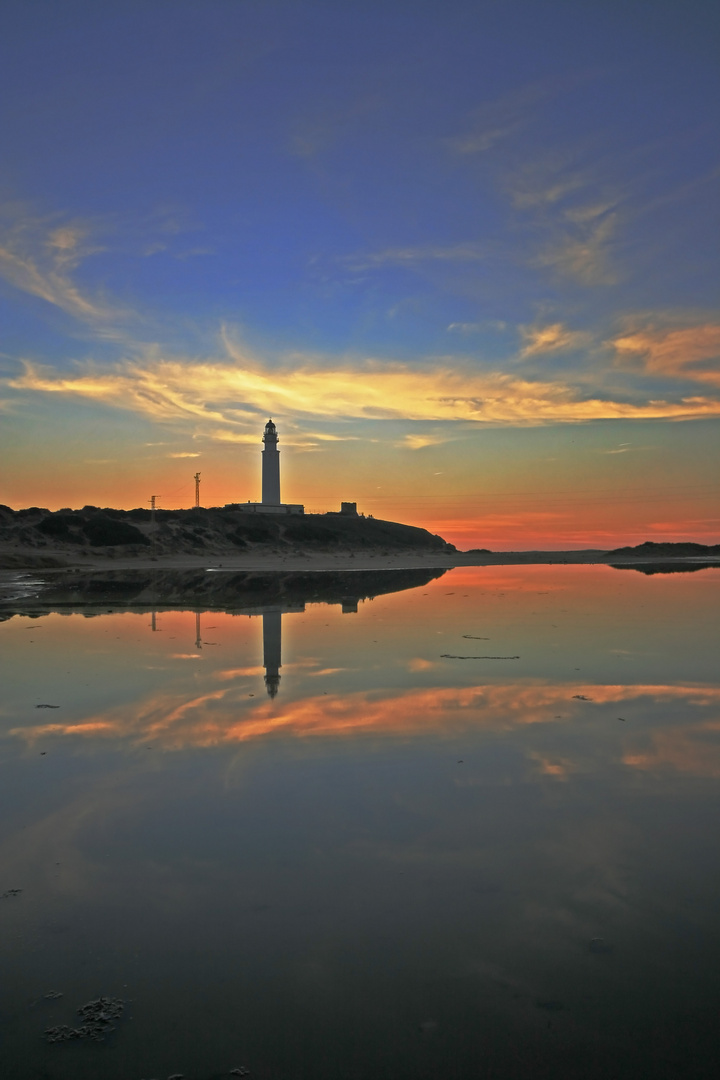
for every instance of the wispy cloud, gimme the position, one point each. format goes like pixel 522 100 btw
pixel 419 442
pixel 37 256
pixel 464 328
pixel 496 325
pixel 551 338
pixel 581 248
pixel 687 352
pixel 572 207
pixel 412 256
pixel 40 255
pixel 495 121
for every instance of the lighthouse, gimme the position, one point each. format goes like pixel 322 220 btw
pixel 270 466
pixel 270 481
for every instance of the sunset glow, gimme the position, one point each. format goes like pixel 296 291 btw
pixel 469 269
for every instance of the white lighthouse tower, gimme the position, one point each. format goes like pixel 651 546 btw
pixel 270 467
pixel 270 481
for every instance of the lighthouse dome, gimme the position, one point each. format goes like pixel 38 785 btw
pixel 270 433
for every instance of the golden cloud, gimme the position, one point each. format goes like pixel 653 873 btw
pixel 231 393
pixel 552 338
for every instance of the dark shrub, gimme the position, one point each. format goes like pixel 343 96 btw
pixel 53 526
pixel 140 514
pixel 101 531
pixel 306 531
pixel 256 531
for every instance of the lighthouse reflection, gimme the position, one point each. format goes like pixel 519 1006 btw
pixel 272 596
pixel 272 650
pixel 271 615
pixel 272 640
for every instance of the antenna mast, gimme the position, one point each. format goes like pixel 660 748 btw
pixel 197 489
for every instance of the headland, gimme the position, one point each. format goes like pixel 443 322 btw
pixel 96 538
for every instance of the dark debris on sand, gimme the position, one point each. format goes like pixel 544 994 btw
pixel 96 1022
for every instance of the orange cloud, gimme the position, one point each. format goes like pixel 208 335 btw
pixel 679 352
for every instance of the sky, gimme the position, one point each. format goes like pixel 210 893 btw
pixel 463 253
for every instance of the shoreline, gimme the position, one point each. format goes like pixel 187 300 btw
pixel 57 562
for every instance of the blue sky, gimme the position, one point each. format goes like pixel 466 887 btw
pixel 399 227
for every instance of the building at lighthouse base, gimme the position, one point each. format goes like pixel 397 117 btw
pixel 266 508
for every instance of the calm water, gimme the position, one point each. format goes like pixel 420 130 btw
pixel 403 865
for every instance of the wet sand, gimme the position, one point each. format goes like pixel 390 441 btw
pixel 50 560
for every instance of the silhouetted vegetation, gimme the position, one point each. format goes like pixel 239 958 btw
pixel 103 531
pixel 208 530
pixel 660 551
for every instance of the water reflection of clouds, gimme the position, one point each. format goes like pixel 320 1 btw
pixel 693 749
pixel 172 721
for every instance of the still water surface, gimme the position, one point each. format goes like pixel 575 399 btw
pixel 320 843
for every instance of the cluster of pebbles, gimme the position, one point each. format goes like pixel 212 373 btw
pixel 96 1022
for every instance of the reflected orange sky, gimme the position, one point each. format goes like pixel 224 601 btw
pixel 584 645
pixel 171 722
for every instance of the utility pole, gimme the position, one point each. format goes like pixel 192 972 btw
pixel 197 489
pixel 152 520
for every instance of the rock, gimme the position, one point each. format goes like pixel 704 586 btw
pixel 97 1017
